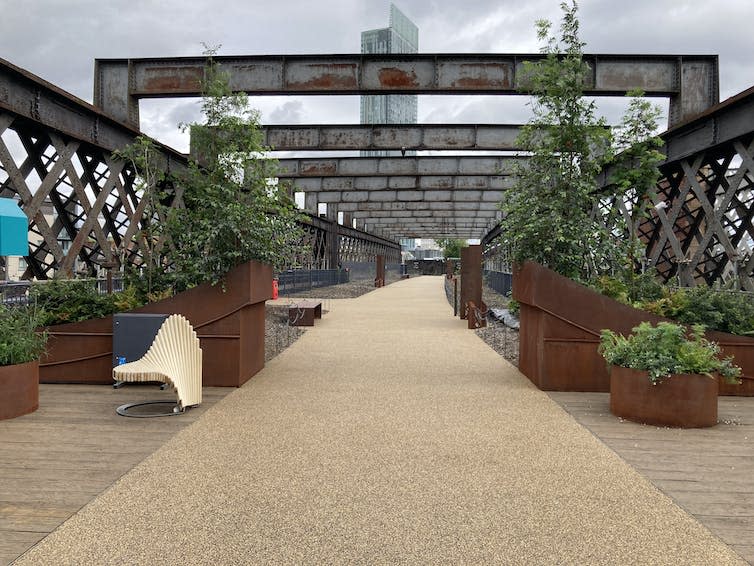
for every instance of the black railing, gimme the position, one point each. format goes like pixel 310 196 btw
pixel 499 281
pixel 296 280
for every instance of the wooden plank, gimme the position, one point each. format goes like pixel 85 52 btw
pixel 708 472
pixel 57 459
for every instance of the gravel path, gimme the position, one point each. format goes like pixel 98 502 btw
pixel 388 433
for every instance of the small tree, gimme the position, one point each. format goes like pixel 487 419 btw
pixel 232 211
pixel 451 247
pixel 635 172
pixel 547 213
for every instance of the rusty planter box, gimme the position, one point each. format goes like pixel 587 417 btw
pixel 682 400
pixel 230 326
pixel 19 389
pixel 561 322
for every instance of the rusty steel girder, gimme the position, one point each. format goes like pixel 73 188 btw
pixel 690 81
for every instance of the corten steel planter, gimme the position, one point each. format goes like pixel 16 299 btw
pixel 561 322
pixel 230 326
pixel 682 400
pixel 19 389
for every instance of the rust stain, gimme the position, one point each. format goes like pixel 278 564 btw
pixel 326 77
pixel 483 76
pixel 392 77
pixel 319 169
pixel 172 79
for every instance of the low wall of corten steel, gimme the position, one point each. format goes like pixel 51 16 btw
pixel 230 325
pixel 561 322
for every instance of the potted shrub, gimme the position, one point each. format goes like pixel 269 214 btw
pixel 20 348
pixel 663 375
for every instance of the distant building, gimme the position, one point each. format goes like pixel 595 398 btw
pixel 401 37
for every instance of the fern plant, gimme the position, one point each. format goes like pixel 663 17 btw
pixel 665 349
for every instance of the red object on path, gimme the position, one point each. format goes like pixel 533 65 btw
pixel 274 289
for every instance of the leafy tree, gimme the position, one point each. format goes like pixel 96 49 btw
pixel 635 172
pixel 451 247
pixel 547 213
pixel 231 211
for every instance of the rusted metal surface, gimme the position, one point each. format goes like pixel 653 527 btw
pixel 379 276
pixel 471 277
pixel 500 137
pixel 303 313
pixel 229 323
pixel 691 81
pixel 291 168
pixel 683 400
pixel 19 389
pixel 561 322
pixel 476 316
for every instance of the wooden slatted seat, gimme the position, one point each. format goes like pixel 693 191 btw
pixel 174 358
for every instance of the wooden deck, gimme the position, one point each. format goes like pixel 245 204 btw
pixel 708 472
pixel 57 459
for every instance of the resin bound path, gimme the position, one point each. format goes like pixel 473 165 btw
pixel 387 434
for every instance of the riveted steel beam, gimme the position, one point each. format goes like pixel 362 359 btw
pixel 459 137
pixel 30 97
pixel 396 166
pixel 691 81
pixel 361 187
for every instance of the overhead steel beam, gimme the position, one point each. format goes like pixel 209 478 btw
pixel 691 81
pixel 360 188
pixel 394 166
pixel 721 124
pixel 437 137
pixel 33 98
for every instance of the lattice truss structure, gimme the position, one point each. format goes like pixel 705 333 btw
pixel 84 208
pixel 700 226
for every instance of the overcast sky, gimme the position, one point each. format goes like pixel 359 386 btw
pixel 59 40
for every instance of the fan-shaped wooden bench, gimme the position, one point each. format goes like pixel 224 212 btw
pixel 174 358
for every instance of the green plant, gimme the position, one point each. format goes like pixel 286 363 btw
pixel 60 301
pixel 19 341
pixel 233 211
pixel 664 350
pixel 547 213
pixel 451 247
pixel 726 311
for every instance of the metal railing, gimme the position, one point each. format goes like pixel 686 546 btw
pixel 296 280
pixel 499 281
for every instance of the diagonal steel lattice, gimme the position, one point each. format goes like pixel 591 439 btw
pixel 81 203
pixel 700 227
pixel 85 208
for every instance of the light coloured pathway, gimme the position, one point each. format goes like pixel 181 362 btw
pixel 387 434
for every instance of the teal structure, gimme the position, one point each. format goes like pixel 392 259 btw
pixel 14 229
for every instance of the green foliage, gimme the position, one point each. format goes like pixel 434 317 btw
pixel 19 341
pixel 635 172
pixel 547 213
pixel 451 247
pixel 232 212
pixel 629 287
pixel 60 301
pixel 725 311
pixel 151 185
pixel 664 350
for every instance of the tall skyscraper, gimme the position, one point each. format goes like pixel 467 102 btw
pixel 401 37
